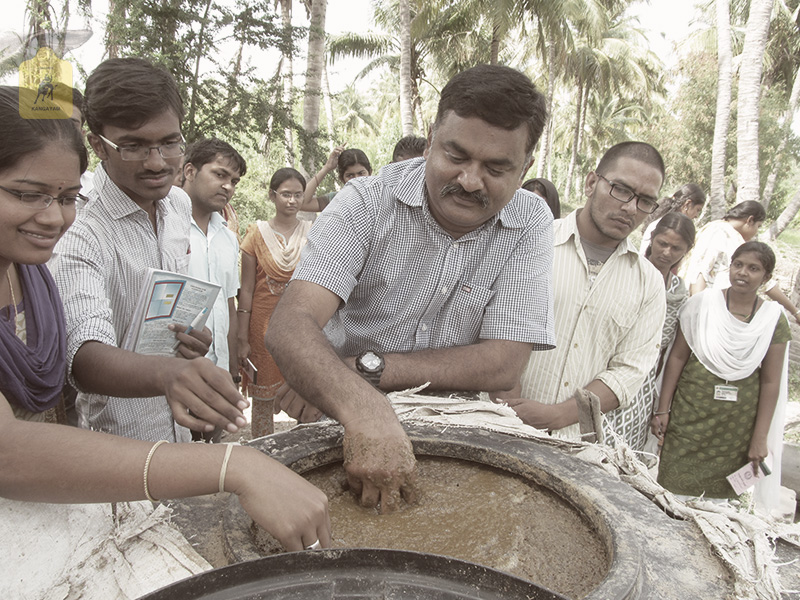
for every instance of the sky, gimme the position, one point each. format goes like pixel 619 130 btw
pixel 666 22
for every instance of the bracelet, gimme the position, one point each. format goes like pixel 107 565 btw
pixel 666 412
pixel 147 469
pixel 224 469
pixel 242 310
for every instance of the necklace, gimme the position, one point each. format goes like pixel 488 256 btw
pixel 13 298
pixel 746 318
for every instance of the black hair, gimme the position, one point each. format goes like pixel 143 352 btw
pixel 640 151
pixel 499 95
pixel 20 136
pixel 409 146
pixel 760 249
pixel 206 151
pixel 284 174
pixel 128 92
pixel 548 191
pixel 690 192
pixel 677 222
pixel 77 102
pixel 350 157
pixel 745 210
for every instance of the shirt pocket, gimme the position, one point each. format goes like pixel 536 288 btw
pixel 467 310
pixel 615 328
pixel 177 264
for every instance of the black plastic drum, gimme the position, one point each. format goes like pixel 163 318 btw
pixel 354 574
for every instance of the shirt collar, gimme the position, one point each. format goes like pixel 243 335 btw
pixel 566 228
pixel 408 180
pixel 118 203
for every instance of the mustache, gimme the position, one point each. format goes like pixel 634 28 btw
pixel 477 196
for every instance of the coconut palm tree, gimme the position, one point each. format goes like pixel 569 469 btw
pixel 313 90
pixel 752 62
pixel 723 112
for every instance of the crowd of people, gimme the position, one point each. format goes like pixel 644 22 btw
pixel 442 269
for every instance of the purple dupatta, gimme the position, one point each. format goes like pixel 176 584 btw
pixel 32 374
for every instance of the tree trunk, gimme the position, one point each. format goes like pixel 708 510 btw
pixel 575 138
pixel 329 109
pixel 785 217
pixel 578 181
pixel 495 47
pixel 195 85
pixel 755 41
pixel 316 56
pixel 547 135
pixel 723 114
pixel 116 19
pixel 287 81
pixel 406 110
pixel 788 116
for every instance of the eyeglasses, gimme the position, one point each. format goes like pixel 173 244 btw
pixel 288 195
pixel 136 152
pixel 40 201
pixel 624 194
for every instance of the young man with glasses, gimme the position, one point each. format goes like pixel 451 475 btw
pixel 135 220
pixel 609 301
pixel 211 170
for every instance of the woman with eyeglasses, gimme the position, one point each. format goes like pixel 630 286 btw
pixel 41 161
pixel 270 252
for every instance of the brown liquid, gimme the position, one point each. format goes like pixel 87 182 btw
pixel 475 513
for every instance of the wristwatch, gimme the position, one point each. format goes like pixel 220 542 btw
pixel 370 366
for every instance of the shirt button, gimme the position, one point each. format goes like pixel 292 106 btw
pixel 424 327
pixel 566 384
pixel 575 345
pixel 455 244
pixel 444 291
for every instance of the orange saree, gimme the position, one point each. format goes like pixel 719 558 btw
pixel 276 259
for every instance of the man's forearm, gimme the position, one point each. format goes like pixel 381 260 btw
pixel 314 370
pixel 489 365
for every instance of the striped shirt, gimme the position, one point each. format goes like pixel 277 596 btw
pixel 408 285
pixel 607 329
pixel 99 266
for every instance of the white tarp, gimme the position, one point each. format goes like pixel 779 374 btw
pixel 90 551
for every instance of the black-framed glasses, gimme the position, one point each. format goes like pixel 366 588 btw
pixel 39 201
pixel 136 152
pixel 624 194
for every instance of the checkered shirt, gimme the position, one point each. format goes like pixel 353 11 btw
pixel 407 285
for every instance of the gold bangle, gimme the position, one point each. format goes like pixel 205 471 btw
pixel 224 469
pixel 147 469
pixel 242 310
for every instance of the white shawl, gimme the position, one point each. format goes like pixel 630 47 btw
pixel 729 348
pixel 286 254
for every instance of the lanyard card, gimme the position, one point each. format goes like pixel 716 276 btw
pixel 726 393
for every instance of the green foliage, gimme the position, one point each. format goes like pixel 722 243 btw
pixel 222 97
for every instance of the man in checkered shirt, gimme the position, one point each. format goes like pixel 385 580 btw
pixel 436 270
pixel 135 219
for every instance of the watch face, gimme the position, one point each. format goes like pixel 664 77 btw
pixel 371 361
